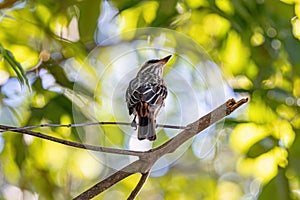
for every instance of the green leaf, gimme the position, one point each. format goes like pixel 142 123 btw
pixel 277 189
pixel 89 13
pixel 165 13
pixel 9 57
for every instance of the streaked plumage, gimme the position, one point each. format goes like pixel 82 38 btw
pixel 145 96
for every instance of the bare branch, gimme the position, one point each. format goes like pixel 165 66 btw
pixel 77 125
pixel 98 123
pixel 199 125
pixel 139 186
pixel 103 185
pixel 70 143
pixel 148 158
pixel 112 180
pixel 172 126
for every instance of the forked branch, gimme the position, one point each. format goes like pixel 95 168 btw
pixel 139 186
pixel 146 159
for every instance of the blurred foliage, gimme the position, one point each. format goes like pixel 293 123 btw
pixel 255 43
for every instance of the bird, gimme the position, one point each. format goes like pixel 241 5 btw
pixel 145 96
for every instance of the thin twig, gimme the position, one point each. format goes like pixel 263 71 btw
pixel 77 125
pixel 99 123
pixel 139 186
pixel 70 143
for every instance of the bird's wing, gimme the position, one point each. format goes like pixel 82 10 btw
pixel 151 91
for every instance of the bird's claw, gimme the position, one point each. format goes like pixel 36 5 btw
pixel 156 125
pixel 134 125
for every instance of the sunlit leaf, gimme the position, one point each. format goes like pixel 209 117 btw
pixel 235 55
pixel 255 44
pixel 284 132
pixel 245 135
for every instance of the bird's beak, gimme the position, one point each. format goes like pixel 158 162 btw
pixel 165 59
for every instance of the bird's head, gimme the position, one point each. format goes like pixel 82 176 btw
pixel 154 66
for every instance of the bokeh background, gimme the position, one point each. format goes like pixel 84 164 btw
pixel 47 50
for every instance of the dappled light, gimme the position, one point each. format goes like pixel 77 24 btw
pixel 245 135
pixel 71 62
pixel 265 166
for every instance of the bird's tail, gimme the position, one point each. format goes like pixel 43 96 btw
pixel 146 128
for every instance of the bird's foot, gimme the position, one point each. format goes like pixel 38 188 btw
pixel 133 124
pixel 155 124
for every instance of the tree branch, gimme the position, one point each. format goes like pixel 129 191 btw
pixel 145 159
pixel 98 123
pixel 130 169
pixel 70 143
pixel 139 186
pixel 103 185
pixel 148 158
pixel 199 125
